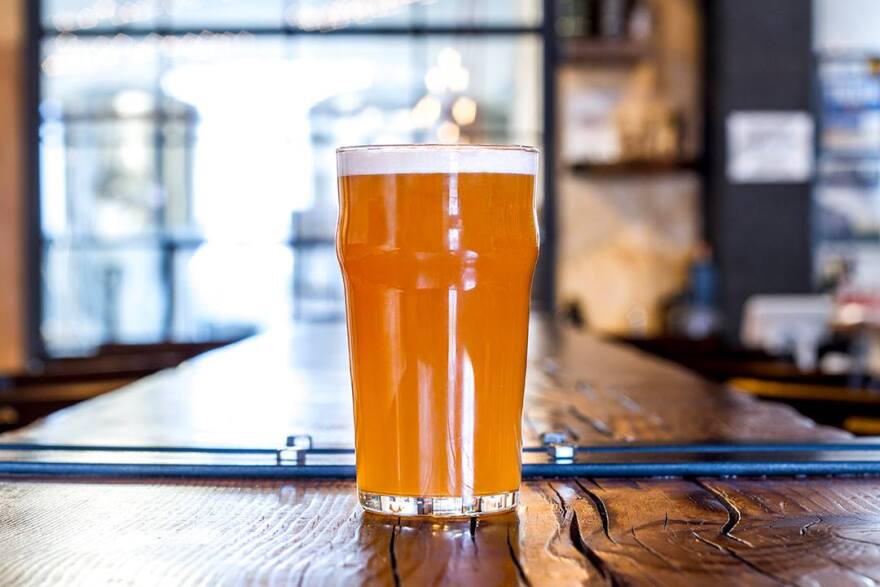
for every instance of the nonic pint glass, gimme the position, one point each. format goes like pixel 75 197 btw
pixel 437 245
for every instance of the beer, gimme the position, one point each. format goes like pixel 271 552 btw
pixel 437 246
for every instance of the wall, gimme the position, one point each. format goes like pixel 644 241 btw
pixel 12 311
pixel 626 246
pixel 846 25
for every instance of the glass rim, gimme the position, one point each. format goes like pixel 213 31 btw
pixel 438 147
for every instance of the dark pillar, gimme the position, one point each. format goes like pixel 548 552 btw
pixel 759 57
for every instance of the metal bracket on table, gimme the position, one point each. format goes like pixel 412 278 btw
pixel 295 450
pixel 556 456
pixel 560 451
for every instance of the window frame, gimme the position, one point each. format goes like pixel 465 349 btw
pixel 36 33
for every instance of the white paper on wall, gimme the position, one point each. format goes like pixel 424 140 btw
pixel 769 147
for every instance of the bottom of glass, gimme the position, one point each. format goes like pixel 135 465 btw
pixel 439 507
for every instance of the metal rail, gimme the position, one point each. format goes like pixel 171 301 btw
pixel 302 460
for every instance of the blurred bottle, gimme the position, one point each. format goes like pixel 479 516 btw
pixel 836 274
pixel 613 21
pixel 577 18
pixel 605 19
pixel 568 22
pixel 640 21
pixel 694 314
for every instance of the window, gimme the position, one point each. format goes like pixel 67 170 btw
pixel 186 148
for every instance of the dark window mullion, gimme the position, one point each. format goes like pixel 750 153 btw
pixel 438 30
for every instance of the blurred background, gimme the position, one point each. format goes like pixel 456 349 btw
pixel 710 186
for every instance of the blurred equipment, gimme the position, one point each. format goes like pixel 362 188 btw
pixel 787 324
pixel 856 315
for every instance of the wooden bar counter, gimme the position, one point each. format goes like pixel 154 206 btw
pixel 165 531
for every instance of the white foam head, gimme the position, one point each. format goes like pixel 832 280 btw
pixel 394 159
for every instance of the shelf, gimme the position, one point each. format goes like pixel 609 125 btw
pixel 625 168
pixel 852 240
pixel 849 153
pixel 608 51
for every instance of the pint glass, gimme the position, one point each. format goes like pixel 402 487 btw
pixel 437 246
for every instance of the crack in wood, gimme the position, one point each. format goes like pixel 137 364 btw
pixel 516 562
pixel 600 508
pixel 666 521
pixel 809 525
pixel 561 516
pixel 662 558
pixel 393 553
pixel 741 559
pixel 585 389
pixel 594 423
pixel 768 509
pixel 733 514
pixel 302 573
pixel 628 403
pixel 591 555
pixel 594 482
pixel 561 501
pixel 837 534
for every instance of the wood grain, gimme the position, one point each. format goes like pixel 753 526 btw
pixel 604 532
pixel 652 532
pixel 12 254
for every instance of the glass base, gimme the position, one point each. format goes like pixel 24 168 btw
pixel 439 507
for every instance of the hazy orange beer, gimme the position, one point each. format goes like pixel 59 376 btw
pixel 437 246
